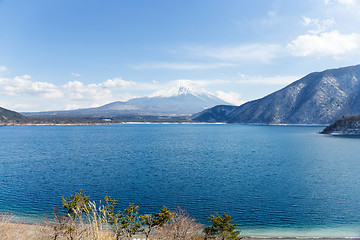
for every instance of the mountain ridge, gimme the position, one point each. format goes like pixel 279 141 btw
pixel 7 116
pixel 317 98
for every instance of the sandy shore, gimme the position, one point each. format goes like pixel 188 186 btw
pixel 251 238
pixel 24 231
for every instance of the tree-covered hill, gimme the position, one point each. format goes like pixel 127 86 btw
pixel 7 116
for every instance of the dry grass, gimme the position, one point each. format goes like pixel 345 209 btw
pixel 180 227
pixel 93 225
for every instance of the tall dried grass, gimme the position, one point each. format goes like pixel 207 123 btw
pixel 94 225
pixel 91 225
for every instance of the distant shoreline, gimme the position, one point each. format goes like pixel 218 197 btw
pixel 165 123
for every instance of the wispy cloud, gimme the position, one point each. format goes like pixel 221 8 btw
pixel 345 2
pixel 183 66
pixel 248 52
pixel 325 44
pixel 348 2
pixel 76 74
pixel 318 25
pixel 272 80
pixel 3 68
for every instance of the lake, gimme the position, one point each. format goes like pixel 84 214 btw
pixel 284 181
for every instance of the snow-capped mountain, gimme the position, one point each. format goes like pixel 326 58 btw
pixel 180 98
pixel 318 98
pixel 182 87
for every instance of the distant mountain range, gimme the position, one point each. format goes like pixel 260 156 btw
pixel 179 101
pixel 318 98
pixel 7 116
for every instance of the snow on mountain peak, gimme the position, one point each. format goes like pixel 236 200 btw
pixel 181 87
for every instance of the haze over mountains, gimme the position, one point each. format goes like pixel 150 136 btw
pixel 318 98
pixel 181 99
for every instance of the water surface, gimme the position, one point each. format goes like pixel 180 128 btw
pixel 273 180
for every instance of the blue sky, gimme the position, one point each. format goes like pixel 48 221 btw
pixel 66 54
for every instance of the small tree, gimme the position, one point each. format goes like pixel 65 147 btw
pixel 113 219
pixel 76 204
pixel 163 216
pixel 148 221
pixel 130 222
pixel 151 222
pixel 222 228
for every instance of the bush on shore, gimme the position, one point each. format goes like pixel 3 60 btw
pixel 85 220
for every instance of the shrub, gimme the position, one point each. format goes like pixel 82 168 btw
pixel 222 228
pixel 180 227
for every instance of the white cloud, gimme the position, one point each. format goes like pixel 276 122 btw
pixel 117 82
pixel 348 2
pixel 230 97
pixel 325 44
pixel 183 66
pixel 23 85
pixel 248 52
pixel 72 94
pixel 92 95
pixel 317 26
pixel 3 68
pixel 344 2
pixel 76 74
pixel 78 91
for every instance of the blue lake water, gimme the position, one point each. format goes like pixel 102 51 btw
pixel 284 181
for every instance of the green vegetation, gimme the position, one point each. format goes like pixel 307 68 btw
pixel 84 220
pixel 222 228
pixel 7 116
pixel 346 125
pixel 76 204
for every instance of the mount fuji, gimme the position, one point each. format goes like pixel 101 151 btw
pixel 181 99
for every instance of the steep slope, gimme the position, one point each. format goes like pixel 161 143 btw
pixel 10 116
pixel 220 113
pixel 180 99
pixel 318 98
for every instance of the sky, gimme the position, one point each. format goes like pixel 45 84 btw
pixel 69 54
